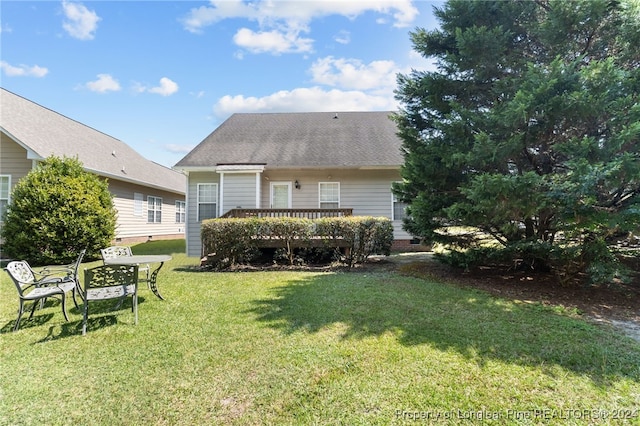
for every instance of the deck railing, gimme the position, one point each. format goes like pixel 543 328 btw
pixel 304 213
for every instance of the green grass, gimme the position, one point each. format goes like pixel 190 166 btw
pixel 311 348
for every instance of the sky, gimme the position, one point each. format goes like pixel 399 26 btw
pixel 162 75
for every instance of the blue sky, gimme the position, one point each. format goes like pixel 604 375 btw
pixel 162 75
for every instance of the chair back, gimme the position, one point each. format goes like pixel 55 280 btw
pixel 110 281
pixel 21 274
pixel 115 251
pixel 76 265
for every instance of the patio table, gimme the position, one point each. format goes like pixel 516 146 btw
pixel 143 259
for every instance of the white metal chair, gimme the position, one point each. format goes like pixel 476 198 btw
pixel 110 282
pixel 114 252
pixel 32 289
pixel 68 273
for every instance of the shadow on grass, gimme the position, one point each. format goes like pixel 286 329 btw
pixel 26 322
pixel 101 314
pixel 74 328
pixel 470 322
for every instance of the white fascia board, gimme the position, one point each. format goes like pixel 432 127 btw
pixel 240 168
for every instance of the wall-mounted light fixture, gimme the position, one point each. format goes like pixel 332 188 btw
pixel 296 184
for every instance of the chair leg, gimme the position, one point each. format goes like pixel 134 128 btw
pixel 64 310
pixel 85 315
pixel 73 294
pixel 20 311
pixel 35 305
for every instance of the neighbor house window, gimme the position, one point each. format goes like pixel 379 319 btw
pixel 154 209
pixel 398 208
pixel 207 201
pixel 138 201
pixel 181 212
pixel 329 195
pixel 5 184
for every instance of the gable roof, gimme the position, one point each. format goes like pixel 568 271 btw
pixel 301 140
pixel 43 132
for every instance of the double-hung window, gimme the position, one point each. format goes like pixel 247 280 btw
pixel 154 209
pixel 5 184
pixel 399 209
pixel 207 201
pixel 329 195
pixel 181 212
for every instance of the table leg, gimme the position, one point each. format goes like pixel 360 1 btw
pixel 153 286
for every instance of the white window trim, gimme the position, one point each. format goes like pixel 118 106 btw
pixel 394 200
pixel 198 202
pixel 181 209
pixel 138 204
pixel 320 201
pixel 8 199
pixel 154 208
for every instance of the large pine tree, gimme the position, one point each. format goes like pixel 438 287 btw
pixel 528 132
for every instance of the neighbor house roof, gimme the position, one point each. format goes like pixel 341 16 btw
pixel 43 132
pixel 301 140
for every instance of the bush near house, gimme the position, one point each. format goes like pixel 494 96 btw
pixel 232 241
pixel 56 211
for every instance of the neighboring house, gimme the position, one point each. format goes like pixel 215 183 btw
pixel 296 161
pixel 149 198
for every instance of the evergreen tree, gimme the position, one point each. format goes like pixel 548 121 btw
pixel 527 132
pixel 57 210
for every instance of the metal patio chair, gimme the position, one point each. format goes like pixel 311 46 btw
pixel 68 273
pixel 114 252
pixel 32 289
pixel 110 282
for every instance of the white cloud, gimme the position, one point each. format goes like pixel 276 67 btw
pixel 274 41
pixel 343 37
pixel 353 74
pixel 282 22
pixel 23 70
pixel 305 99
pixel 178 149
pixel 167 87
pixel 81 23
pixel 105 83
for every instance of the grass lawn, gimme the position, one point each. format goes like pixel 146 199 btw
pixel 312 348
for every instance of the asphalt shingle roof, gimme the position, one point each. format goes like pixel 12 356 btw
pixel 301 140
pixel 45 132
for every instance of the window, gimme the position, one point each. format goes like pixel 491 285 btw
pixel 329 195
pixel 398 208
pixel 207 201
pixel 137 204
pixel 181 212
pixel 5 184
pixel 154 209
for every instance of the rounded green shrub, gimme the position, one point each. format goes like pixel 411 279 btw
pixel 57 210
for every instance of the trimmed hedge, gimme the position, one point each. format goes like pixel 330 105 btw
pixel 234 241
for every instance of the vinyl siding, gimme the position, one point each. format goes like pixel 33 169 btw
pixel 194 245
pixel 131 225
pixel 239 191
pixel 14 162
pixel 13 159
pixel 367 192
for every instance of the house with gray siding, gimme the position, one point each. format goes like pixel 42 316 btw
pixel 149 198
pixel 315 160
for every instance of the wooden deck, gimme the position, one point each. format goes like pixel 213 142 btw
pixel 302 213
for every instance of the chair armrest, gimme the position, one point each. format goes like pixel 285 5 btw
pixel 52 275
